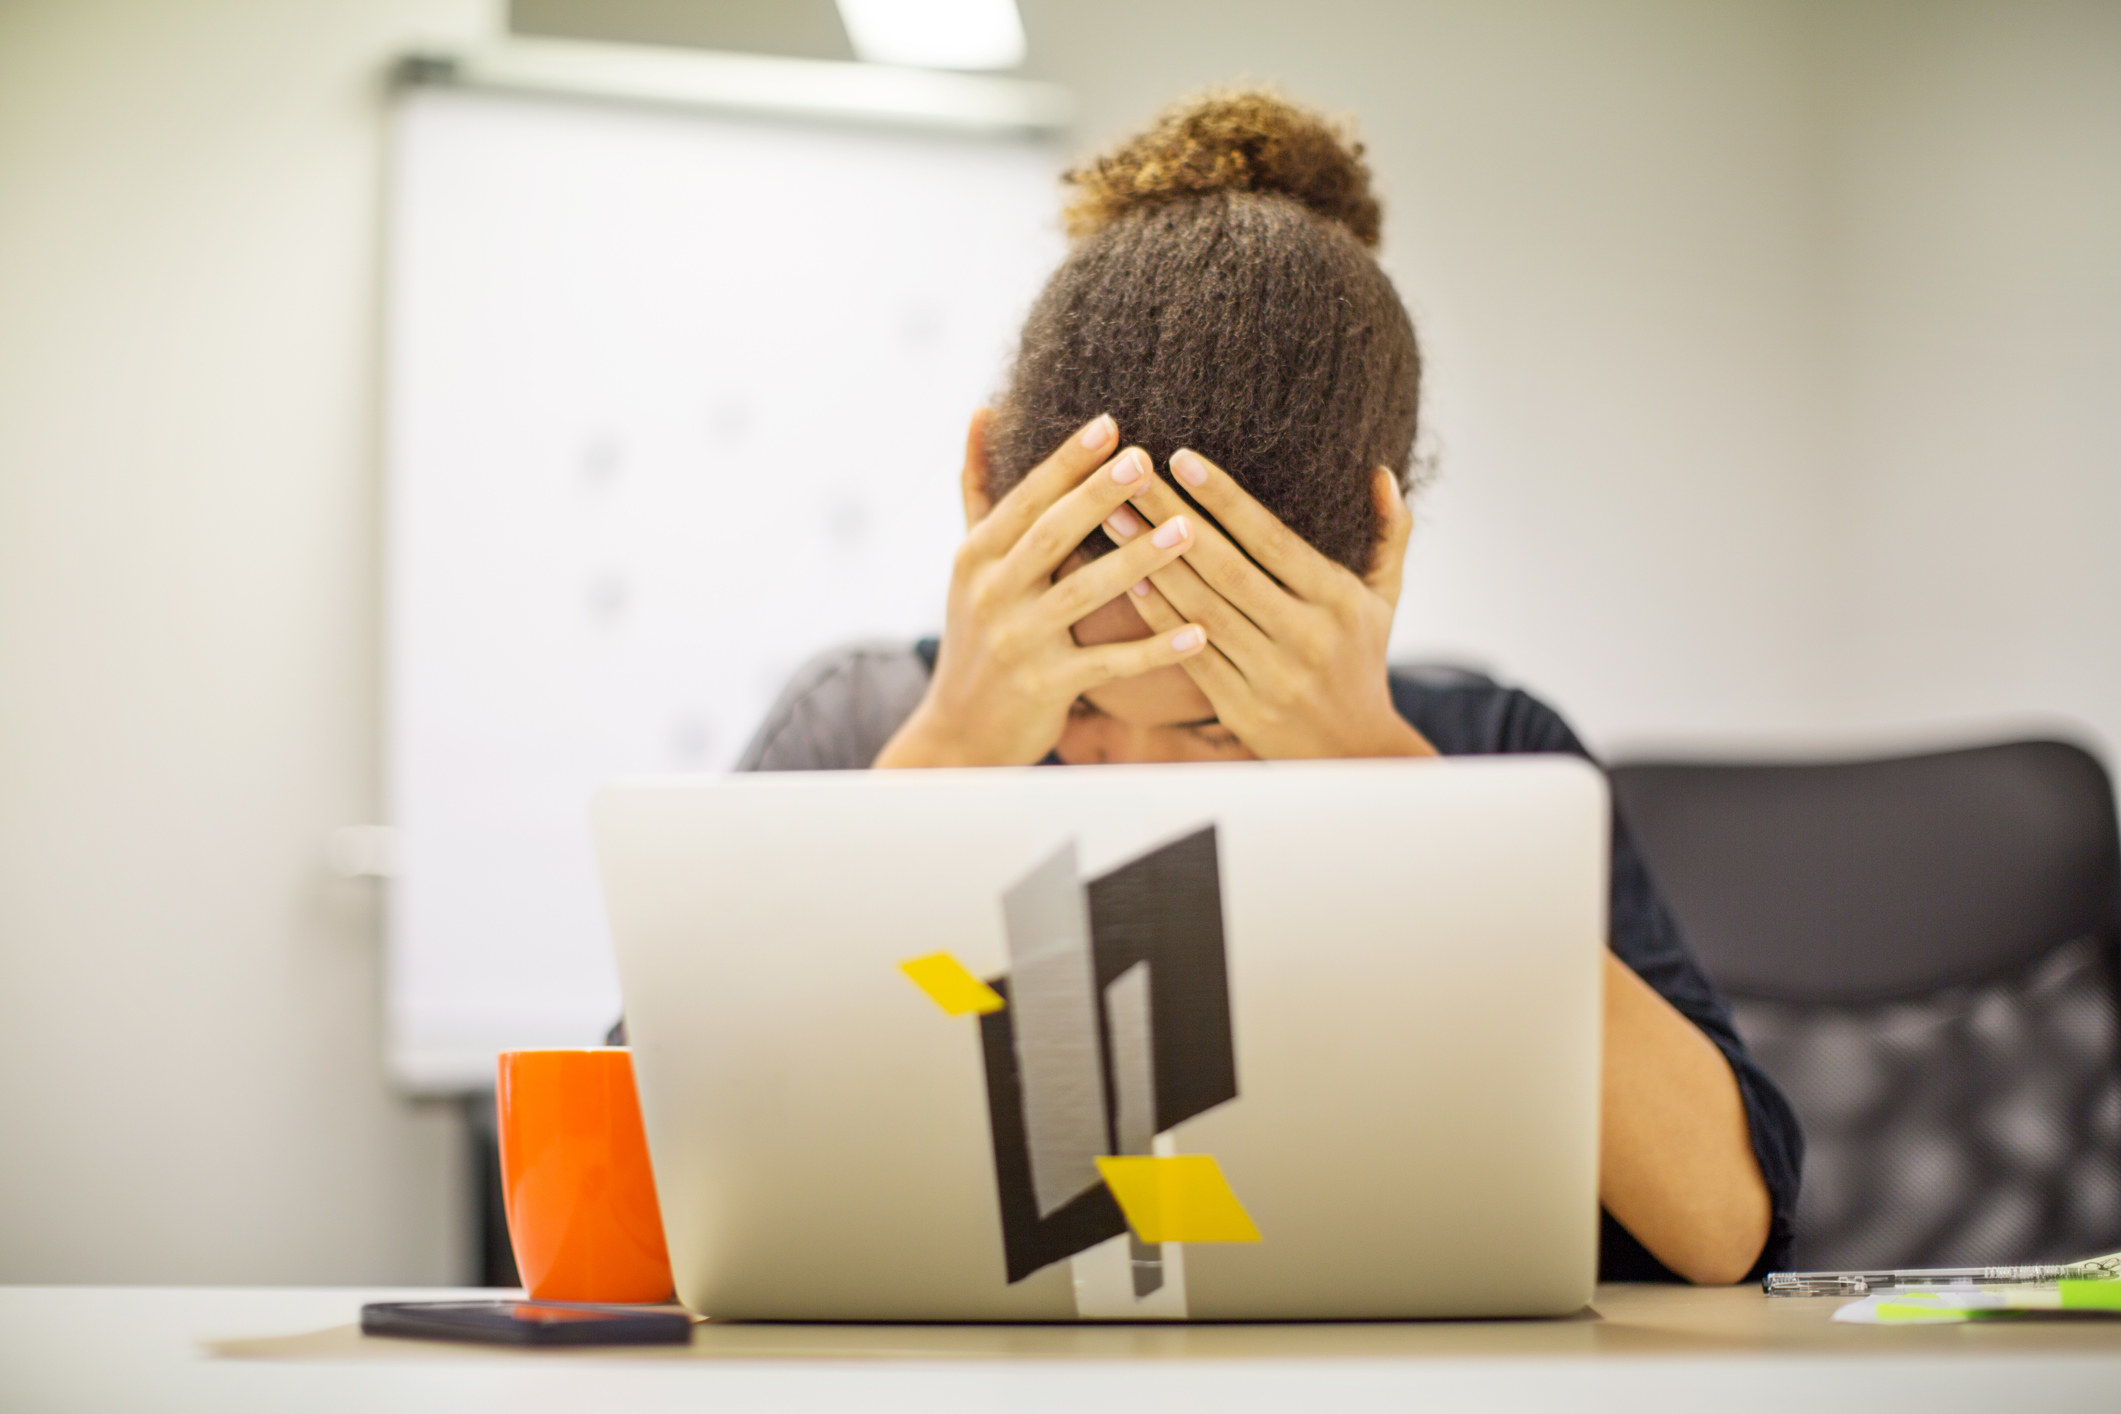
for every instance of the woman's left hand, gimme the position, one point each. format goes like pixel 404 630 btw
pixel 1295 662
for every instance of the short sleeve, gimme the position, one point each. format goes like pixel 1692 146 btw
pixel 839 710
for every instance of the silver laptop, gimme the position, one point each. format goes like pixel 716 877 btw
pixel 1227 1042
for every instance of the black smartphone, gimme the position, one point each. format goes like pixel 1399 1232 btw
pixel 527 1322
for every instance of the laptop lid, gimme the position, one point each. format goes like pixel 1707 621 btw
pixel 1246 1041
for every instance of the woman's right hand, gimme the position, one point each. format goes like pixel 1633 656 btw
pixel 1010 668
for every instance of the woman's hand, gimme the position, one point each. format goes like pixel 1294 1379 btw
pixel 1296 659
pixel 1009 669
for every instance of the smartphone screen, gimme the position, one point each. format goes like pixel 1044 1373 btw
pixel 527 1322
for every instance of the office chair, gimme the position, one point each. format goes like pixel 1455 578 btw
pixel 1922 951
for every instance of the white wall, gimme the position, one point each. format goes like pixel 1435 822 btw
pixel 190 1086
pixel 1977 303
pixel 1772 349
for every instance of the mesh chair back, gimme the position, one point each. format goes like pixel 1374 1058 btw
pixel 1921 951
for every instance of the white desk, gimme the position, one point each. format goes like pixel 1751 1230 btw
pixel 1649 1351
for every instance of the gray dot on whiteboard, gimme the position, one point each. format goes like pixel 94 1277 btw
pixel 730 420
pixel 921 325
pixel 601 456
pixel 847 522
pixel 691 738
pixel 607 598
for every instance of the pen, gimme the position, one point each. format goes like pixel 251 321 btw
pixel 1864 1283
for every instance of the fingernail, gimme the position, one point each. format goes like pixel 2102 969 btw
pixel 1168 534
pixel 1123 524
pixel 1140 589
pixel 1128 468
pixel 1187 639
pixel 1188 467
pixel 1099 431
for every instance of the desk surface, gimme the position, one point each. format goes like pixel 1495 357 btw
pixel 1639 1349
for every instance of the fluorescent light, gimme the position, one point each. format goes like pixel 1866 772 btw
pixel 936 34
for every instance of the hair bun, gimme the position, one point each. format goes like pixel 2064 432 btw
pixel 1243 141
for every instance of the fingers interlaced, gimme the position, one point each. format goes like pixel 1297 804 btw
pixel 1243 630
pixel 1225 601
pixel 1213 673
pixel 1069 519
pixel 1285 554
pixel 1223 565
pixel 1107 661
pixel 1109 576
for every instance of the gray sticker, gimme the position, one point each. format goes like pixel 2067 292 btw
pixel 1053 1012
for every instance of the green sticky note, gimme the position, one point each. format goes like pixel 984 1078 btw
pixel 1895 1312
pixel 2099 1295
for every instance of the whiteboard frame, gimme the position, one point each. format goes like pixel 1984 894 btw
pixel 754 84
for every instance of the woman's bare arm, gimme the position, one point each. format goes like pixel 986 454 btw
pixel 1676 1165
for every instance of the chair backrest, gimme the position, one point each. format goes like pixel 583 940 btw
pixel 1922 952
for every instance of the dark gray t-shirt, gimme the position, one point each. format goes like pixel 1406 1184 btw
pixel 840 709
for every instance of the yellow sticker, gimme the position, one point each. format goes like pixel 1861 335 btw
pixel 1183 1198
pixel 950 986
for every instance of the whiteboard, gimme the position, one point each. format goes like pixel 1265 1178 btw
pixel 672 402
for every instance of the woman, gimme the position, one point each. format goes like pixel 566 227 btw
pixel 1185 524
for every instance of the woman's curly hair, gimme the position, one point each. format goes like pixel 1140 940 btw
pixel 1221 293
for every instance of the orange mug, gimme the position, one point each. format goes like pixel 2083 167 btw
pixel 582 1214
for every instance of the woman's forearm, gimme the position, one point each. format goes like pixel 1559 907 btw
pixel 1676 1165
